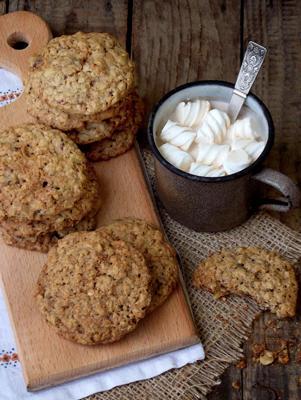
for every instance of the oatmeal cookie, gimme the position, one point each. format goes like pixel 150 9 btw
pixel 63 120
pixel 93 290
pixel 42 172
pixel 122 138
pixel 90 199
pixel 96 131
pixel 81 73
pixel 88 223
pixel 44 241
pixel 264 275
pixel 160 256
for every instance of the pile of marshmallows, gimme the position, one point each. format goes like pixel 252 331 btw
pixel 202 141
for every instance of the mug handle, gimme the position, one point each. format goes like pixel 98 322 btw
pixel 284 184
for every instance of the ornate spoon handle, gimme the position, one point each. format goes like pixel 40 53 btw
pixel 250 67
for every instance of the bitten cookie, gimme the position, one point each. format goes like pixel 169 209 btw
pixel 93 289
pixel 160 256
pixel 264 275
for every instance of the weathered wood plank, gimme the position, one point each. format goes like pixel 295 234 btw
pixel 68 17
pixel 3 7
pixel 175 42
pixel 284 378
pixel 226 391
pixel 277 25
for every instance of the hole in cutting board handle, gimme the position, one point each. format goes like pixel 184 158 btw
pixel 18 41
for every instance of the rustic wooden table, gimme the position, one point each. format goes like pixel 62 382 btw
pixel 177 41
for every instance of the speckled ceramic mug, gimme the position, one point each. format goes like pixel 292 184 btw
pixel 220 203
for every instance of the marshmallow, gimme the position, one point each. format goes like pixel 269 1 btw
pixel 252 147
pixel 246 128
pixel 179 158
pixel 236 160
pixel 203 141
pixel 192 113
pixel 214 127
pixel 205 134
pixel 177 135
pixel 205 170
pixel 212 154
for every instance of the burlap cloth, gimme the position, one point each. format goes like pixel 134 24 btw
pixel 222 325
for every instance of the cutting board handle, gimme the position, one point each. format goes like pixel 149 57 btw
pixel 21 26
pixel 15 27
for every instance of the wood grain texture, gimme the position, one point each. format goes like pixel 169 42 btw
pixel 3 7
pixel 277 26
pixel 284 378
pixel 175 42
pixel 68 17
pixel 46 358
pixel 32 30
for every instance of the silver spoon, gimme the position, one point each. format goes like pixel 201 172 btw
pixel 250 67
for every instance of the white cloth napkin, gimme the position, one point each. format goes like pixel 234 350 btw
pixel 10 87
pixel 11 378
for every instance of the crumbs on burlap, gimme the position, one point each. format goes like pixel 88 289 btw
pixel 8 358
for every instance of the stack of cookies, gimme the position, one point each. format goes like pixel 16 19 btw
pixel 48 189
pixel 83 85
pixel 96 286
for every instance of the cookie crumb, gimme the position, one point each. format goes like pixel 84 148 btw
pixel 241 364
pixel 267 358
pixel 283 356
pixel 236 385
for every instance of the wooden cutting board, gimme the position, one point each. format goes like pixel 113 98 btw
pixel 46 358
